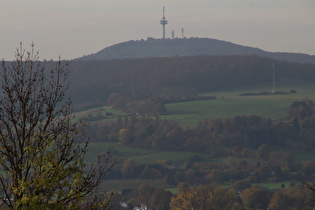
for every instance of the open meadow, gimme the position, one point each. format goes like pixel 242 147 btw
pixel 229 103
pixel 139 155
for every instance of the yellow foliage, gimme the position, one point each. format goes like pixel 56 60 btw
pixel 204 197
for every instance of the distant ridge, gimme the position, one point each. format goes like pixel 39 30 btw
pixel 188 47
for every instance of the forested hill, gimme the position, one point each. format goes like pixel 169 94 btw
pixel 164 78
pixel 187 47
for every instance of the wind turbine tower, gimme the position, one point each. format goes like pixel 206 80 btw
pixel 163 22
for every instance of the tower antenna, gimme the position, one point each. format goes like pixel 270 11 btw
pixel 273 79
pixel 163 22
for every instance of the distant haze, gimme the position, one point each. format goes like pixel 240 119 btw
pixel 73 28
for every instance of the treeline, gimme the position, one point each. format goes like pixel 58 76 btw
pixel 139 107
pixel 302 116
pixel 211 134
pixel 239 137
pixel 214 197
pixel 192 46
pixel 268 166
pixel 247 144
pixel 208 136
pixel 165 80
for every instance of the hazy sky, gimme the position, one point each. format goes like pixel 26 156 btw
pixel 72 28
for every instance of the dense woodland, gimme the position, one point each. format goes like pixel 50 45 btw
pixel 192 46
pixel 163 80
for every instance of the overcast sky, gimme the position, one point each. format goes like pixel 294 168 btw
pixel 73 28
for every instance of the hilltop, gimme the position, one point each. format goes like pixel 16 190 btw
pixel 187 47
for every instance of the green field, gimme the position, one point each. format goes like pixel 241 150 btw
pixel 230 103
pixel 118 185
pixel 139 155
pixel 271 186
pixel 150 156
pixel 190 113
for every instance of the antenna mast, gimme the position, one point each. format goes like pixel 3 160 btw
pixel 163 22
pixel 273 79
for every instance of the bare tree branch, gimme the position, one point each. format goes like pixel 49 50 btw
pixel 42 150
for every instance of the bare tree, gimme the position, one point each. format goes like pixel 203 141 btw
pixel 41 149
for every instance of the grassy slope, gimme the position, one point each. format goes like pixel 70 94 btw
pixel 139 155
pixel 227 104
pixel 230 104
